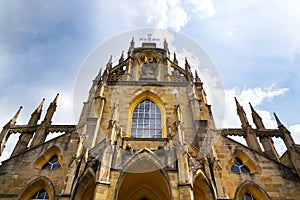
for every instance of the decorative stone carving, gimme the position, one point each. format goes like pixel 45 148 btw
pixel 149 68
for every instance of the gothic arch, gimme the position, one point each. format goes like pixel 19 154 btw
pixel 44 158
pixel 251 188
pixel 85 186
pixel 143 160
pixel 138 99
pixel 143 178
pixel 37 185
pixel 245 159
pixel 202 188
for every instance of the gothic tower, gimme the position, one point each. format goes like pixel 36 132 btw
pixel 147 132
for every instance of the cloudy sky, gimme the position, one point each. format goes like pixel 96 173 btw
pixel 254 45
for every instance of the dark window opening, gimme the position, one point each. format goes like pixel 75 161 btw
pixel 52 163
pixel 239 167
pixel 40 195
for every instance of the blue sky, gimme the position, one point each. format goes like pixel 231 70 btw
pixel 255 46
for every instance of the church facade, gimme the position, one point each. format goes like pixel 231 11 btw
pixel 146 132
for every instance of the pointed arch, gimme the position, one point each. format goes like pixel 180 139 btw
pixel 143 178
pixel 85 186
pixel 37 185
pixel 251 188
pixel 202 187
pixel 147 95
pixel 143 160
pixel 238 155
pixel 47 155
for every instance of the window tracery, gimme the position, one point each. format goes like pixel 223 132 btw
pixel 239 167
pixel 146 120
pixel 52 164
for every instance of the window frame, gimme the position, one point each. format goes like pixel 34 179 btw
pixel 143 120
pixel 238 163
pixel 155 99
pixel 46 156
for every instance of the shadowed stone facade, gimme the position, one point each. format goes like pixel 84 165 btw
pixel 147 132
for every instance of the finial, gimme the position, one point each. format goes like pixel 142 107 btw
pixel 98 77
pixel 256 118
pixel 277 120
pixel 122 57
pixel 237 103
pixel 175 59
pixel 13 120
pixel 39 108
pixel 165 44
pixel 187 65
pixel 109 63
pixel 252 109
pixel 241 113
pixel 35 116
pixel 132 43
pixel 55 99
pixel 198 80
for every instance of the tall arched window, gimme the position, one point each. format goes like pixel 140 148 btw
pixel 146 120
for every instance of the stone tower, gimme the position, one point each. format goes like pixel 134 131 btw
pixel 147 132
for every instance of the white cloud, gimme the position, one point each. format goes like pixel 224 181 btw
pixel 203 7
pixel 255 96
pixel 270 27
pixel 295 130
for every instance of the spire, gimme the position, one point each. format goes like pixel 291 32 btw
pixel 256 118
pixel 132 43
pixel 175 60
pixel 109 63
pixel 277 120
pixel 241 113
pixel 122 57
pixel 188 71
pixel 165 44
pixel 187 65
pixel 197 79
pixel 4 135
pixel 13 120
pixel 129 53
pixel 286 135
pixel 98 77
pixel 36 115
pixel 50 111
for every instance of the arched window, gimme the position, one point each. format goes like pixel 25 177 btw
pixel 146 120
pixel 239 167
pixel 250 191
pixel 40 195
pixel 248 196
pixel 38 189
pixel 51 159
pixel 52 163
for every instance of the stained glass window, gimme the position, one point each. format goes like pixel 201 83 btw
pixel 52 163
pixel 248 196
pixel 146 120
pixel 239 167
pixel 40 195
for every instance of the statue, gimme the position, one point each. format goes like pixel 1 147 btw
pixel 149 69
